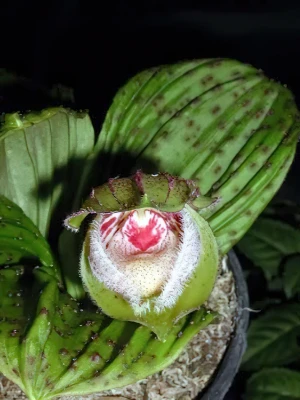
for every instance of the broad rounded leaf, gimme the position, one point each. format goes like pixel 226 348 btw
pixel 52 345
pixel 41 158
pixel 273 338
pixel 71 348
pixel 21 241
pixel 291 277
pixel 218 121
pixel 268 242
pixel 274 384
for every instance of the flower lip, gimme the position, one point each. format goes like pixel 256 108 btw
pixel 145 230
pixel 144 253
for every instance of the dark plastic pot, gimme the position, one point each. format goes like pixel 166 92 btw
pixel 228 367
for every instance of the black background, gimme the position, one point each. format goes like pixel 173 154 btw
pixel 96 47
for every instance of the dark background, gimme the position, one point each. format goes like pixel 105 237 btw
pixel 95 49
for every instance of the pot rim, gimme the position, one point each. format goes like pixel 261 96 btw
pixel 223 377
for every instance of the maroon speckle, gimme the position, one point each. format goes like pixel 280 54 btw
pixel 270 112
pixel 16 372
pixel 44 311
pixel 206 79
pixel 196 101
pixel 94 336
pixel 111 343
pixel 253 165
pixel 233 233
pixel 246 103
pixel 95 357
pixel 58 332
pixel 135 131
pixel 265 149
pixel 217 169
pixel 14 332
pixel 138 177
pixel 268 165
pixel 217 63
pixel 31 360
pixel 248 212
pixel 74 365
pixel 190 123
pixel 63 352
pixel 216 109
pixel 235 95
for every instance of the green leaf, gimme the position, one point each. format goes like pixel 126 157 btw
pixel 52 345
pixel 21 240
pixel 41 158
pixel 291 277
pixel 274 384
pixel 71 348
pixel 121 353
pixel 70 246
pixel 218 121
pixel 273 338
pixel 268 242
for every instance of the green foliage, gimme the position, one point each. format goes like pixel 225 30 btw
pixel 52 345
pixel 273 338
pixel 273 244
pixel 21 240
pixel 274 384
pixel 41 157
pixel 268 242
pixel 217 121
pixel 291 277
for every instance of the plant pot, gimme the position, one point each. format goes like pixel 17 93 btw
pixel 227 369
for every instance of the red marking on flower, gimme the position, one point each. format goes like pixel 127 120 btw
pixel 144 237
pixel 138 177
pixel 107 224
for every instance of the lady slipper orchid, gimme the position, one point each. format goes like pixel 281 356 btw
pixel 147 256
